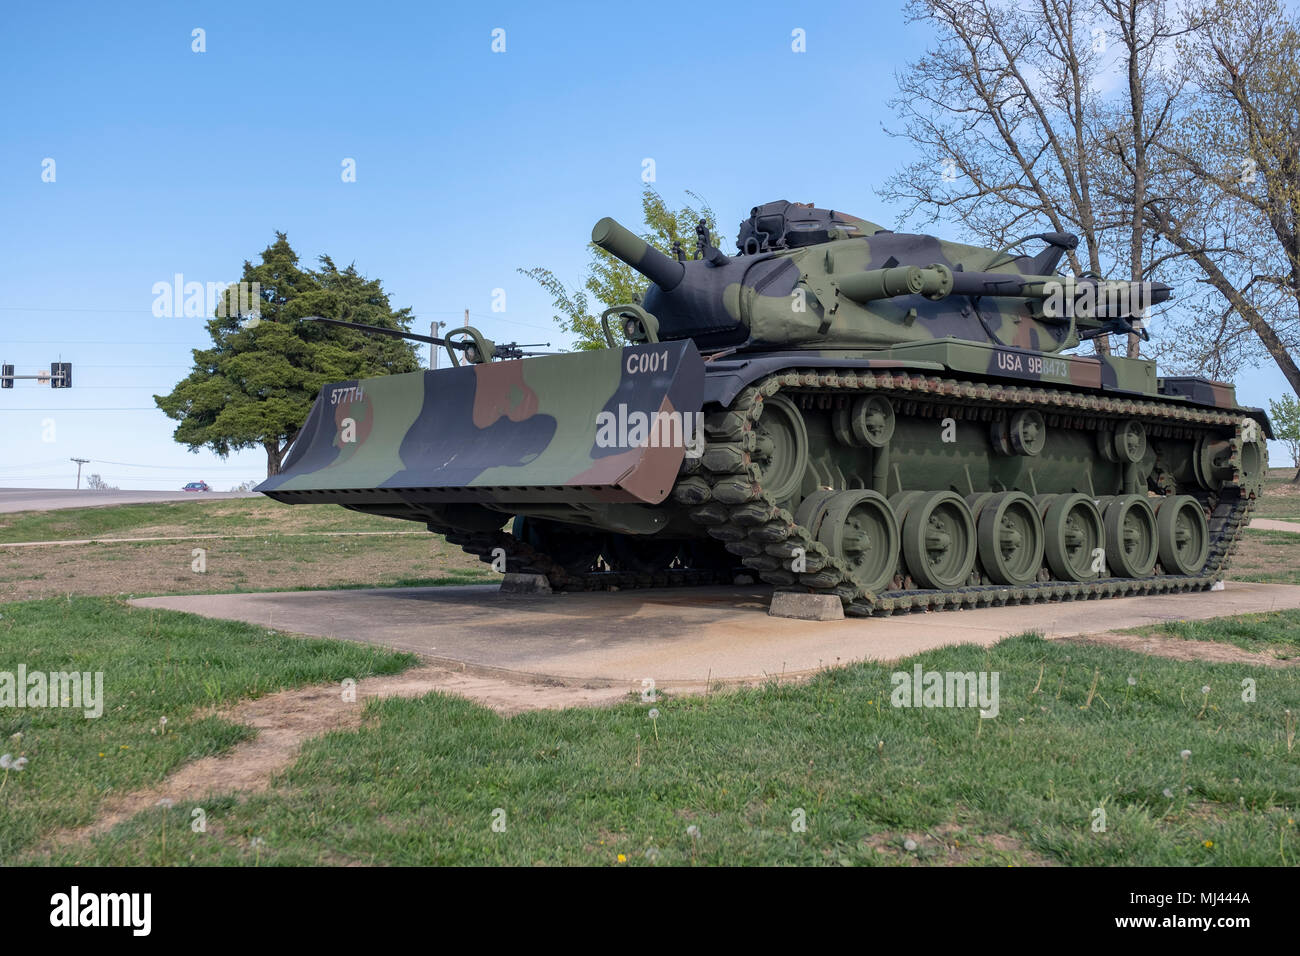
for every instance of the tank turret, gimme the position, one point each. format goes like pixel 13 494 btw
pixel 806 277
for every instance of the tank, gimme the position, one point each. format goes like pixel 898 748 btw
pixel 898 420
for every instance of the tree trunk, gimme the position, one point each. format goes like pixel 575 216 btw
pixel 274 456
pixel 1137 107
pixel 1296 479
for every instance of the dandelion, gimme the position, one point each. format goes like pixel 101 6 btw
pixel 652 854
pixel 1186 755
pixel 7 763
pixel 1205 700
pixel 909 845
pixel 693 832
pixel 1132 682
pixel 1169 793
pixel 1208 844
pixel 622 858
pixel 654 719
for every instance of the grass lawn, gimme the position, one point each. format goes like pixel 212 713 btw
pixel 1276 633
pixel 1266 557
pixel 155 664
pixel 421 781
pixel 278 547
pixel 1281 499
pixel 200 516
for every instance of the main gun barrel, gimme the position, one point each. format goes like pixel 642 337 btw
pixel 938 282
pixel 640 255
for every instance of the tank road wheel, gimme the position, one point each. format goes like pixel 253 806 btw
pixel 859 527
pixel 977 502
pixel 901 502
pixel 781 450
pixel 1010 533
pixel 1072 532
pixel 811 509
pixel 1183 534
pixel 939 540
pixel 1131 542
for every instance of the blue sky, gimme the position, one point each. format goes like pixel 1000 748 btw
pixel 469 164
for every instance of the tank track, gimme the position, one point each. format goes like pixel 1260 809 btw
pixel 724 494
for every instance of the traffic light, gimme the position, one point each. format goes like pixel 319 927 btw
pixel 60 375
pixel 6 376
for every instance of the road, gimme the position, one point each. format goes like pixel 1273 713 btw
pixel 51 499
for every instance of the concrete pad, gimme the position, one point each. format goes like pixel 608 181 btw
pixel 677 637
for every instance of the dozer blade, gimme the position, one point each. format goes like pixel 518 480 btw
pixel 559 428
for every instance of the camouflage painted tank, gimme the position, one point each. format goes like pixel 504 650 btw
pixel 890 418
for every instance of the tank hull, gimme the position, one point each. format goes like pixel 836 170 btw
pixel 867 474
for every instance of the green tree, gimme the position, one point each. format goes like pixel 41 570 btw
pixel 610 282
pixel 1285 416
pixel 257 382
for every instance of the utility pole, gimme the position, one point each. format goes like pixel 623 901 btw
pixel 80 462
pixel 434 329
pixel 467 318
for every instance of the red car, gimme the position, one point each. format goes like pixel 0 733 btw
pixel 197 486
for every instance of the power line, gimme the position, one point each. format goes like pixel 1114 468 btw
pixel 146 387
pixel 41 308
pixel 142 408
pixel 36 464
pixel 136 464
pixel 494 317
